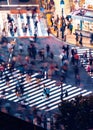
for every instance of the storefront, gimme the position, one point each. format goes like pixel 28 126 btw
pixel 83 22
pixel 89 4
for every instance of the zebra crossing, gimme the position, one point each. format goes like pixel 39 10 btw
pixel 81 51
pixel 33 91
pixel 20 20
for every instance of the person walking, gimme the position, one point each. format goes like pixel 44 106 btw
pixel 77 80
pixel 77 38
pixel 80 41
pixel 76 58
pixel 76 70
pixel 46 91
pixel 48 31
pixel 48 50
pixel 7 79
pixel 91 38
pixel 1 70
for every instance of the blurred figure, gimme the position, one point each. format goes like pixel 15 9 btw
pixel 48 31
pixel 76 70
pixel 77 38
pixel 7 79
pixel 66 93
pixel 47 50
pixel 91 38
pixel 77 80
pixel 80 41
pixel 46 92
pixel 1 70
pixel 20 48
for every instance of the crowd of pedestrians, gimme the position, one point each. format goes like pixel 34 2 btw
pixel 31 59
pixel 44 57
pixel 40 60
pixel 64 26
pixel 12 27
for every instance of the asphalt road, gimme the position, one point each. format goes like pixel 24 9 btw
pixel 56 48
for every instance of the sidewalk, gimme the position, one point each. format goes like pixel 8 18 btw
pixel 70 38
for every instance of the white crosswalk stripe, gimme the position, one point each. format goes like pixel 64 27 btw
pixel 81 51
pixel 33 91
pixel 20 20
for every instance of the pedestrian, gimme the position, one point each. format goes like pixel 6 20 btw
pixel 7 79
pixel 51 55
pixel 80 41
pixel 64 58
pixel 67 51
pixel 70 28
pixel 66 93
pixel 35 24
pixel 55 26
pixel 35 37
pixel 63 75
pixel 88 68
pixel 48 31
pixel 56 70
pixel 76 70
pixel 91 59
pixel 17 91
pixel 47 50
pixel 1 70
pixel 21 48
pixel 52 21
pixel 34 51
pixel 46 92
pixel 28 19
pixel 42 54
pixel 28 78
pixel 72 60
pixel 91 38
pixel 76 58
pixel 77 38
pixel 21 89
pixel 85 56
pixel 15 28
pixel 77 80
pixel 57 19
pixel 92 70
pixel 3 94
